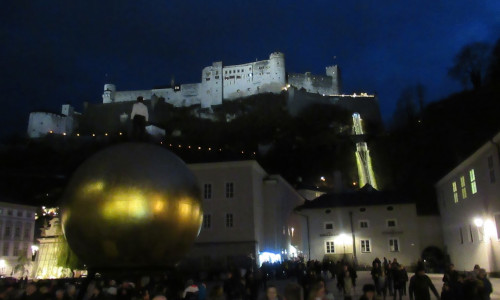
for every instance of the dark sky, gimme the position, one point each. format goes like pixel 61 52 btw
pixel 56 52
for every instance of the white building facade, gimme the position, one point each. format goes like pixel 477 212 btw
pixel 246 213
pixel 360 226
pixel 469 202
pixel 17 230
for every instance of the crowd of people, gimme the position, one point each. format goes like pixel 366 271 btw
pixel 390 279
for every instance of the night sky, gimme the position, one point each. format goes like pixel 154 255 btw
pixel 56 52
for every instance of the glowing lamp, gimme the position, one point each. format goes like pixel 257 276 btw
pixel 478 222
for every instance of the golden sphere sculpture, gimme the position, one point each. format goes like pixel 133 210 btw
pixel 132 206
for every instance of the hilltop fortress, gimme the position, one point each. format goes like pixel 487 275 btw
pixel 220 82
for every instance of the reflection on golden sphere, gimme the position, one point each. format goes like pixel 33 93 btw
pixel 132 206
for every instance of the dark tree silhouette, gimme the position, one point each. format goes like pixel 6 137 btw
pixel 494 68
pixel 471 64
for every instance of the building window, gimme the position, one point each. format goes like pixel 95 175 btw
pixel 455 192
pixel 7 231
pixel 462 186
pixel 391 223
pixel 329 226
pixel 394 245
pixel 17 232
pixel 364 224
pixel 491 167
pixel 471 236
pixel 207 221
pixel 329 247
pixel 229 220
pixel 365 246
pixel 6 246
pixel 207 191
pixel 27 231
pixel 20 214
pixel 15 252
pixel 473 186
pixel 229 190
pixel 9 212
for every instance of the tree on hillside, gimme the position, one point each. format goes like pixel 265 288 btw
pixel 471 63
pixel 494 67
pixel 408 106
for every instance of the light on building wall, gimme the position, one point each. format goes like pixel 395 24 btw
pixel 120 133
pixel 3 264
pixel 51 131
pixel 77 134
pixel 106 134
pixel 490 229
pixel 478 222
pixel 93 134
pixel 323 178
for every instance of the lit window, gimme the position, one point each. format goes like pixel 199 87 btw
pixel 391 223
pixel 365 246
pixel 329 226
pixel 363 224
pixel 207 221
pixel 394 245
pixel 473 186
pixel 229 220
pixel 462 186
pixel 207 191
pixel 229 190
pixel 455 192
pixel 329 247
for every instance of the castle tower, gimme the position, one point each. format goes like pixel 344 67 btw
pixel 334 72
pixel 277 64
pixel 109 93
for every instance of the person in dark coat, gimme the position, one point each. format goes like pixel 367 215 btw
pixel 399 280
pixel 376 276
pixel 447 293
pixel 420 284
pixel 450 275
pixel 484 287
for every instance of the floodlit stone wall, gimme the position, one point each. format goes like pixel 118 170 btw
pixel 217 83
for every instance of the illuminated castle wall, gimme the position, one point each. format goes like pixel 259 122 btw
pixel 217 82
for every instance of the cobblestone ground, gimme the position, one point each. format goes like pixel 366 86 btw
pixel 365 278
